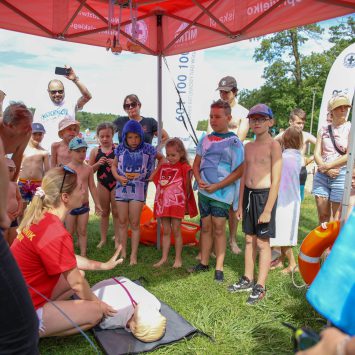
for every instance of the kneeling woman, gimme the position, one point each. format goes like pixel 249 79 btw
pixel 44 252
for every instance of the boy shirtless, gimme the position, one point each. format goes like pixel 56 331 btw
pixel 60 152
pixel 257 201
pixel 14 203
pixel 35 163
pixel 78 218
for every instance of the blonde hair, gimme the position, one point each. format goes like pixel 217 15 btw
pixel 51 185
pixel 149 324
pixel 292 138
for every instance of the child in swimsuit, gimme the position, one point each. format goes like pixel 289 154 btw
pixel 101 159
pixel 78 218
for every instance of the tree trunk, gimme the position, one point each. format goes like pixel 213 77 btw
pixel 297 70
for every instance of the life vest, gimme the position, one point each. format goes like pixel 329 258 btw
pixel 312 248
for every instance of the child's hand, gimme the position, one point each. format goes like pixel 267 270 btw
pixel 202 184
pixel 109 162
pixel 264 217
pixel 98 210
pixel 239 213
pixel 123 180
pixel 107 310
pixel 211 188
pixel 102 160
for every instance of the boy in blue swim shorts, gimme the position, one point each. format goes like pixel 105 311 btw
pixel 217 168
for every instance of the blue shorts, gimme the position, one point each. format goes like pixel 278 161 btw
pixel 330 188
pixel 208 206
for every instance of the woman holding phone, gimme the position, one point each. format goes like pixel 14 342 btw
pixel 132 107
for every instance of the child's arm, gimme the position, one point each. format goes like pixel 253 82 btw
pixel 233 176
pixel 196 171
pixel 94 193
pixel 161 159
pixel 54 149
pixel 239 213
pixel 17 156
pixel 46 162
pixel 122 179
pixel 276 165
pixel 101 161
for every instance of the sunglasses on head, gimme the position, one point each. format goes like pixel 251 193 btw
pixel 131 105
pixel 53 92
pixel 67 170
pixel 258 119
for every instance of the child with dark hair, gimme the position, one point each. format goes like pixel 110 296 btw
pixel 132 167
pixel 101 159
pixel 289 198
pixel 174 197
pixel 217 168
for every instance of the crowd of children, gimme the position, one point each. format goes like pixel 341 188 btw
pixel 260 182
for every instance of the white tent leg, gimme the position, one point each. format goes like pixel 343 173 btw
pixel 349 168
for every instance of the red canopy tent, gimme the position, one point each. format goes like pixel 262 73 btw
pixel 164 27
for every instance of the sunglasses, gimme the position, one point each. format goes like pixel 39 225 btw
pixel 258 120
pixel 131 105
pixel 53 92
pixel 67 170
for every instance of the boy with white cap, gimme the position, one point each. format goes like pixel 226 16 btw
pixel 35 163
pixel 67 130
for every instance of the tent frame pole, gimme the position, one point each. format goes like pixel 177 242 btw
pixel 160 90
pixel 349 168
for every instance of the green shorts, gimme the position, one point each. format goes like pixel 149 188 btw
pixel 208 206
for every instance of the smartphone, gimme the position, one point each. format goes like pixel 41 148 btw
pixel 61 71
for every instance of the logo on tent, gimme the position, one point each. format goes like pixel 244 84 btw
pixel 189 36
pixel 142 31
pixel 349 60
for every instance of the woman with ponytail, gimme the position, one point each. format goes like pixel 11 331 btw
pixel 44 252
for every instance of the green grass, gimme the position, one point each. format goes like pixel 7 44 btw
pixel 236 327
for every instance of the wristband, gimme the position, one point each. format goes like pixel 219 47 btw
pixel 340 348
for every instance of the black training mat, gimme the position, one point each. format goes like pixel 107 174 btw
pixel 119 342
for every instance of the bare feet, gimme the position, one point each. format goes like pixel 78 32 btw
pixel 276 264
pixel 101 244
pixel 133 260
pixel 160 263
pixel 177 264
pixel 234 247
pixel 289 269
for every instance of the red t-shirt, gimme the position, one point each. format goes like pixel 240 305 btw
pixel 171 199
pixel 43 252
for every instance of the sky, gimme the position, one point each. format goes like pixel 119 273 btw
pixel 27 64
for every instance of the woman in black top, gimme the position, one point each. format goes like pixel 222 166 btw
pixel 132 106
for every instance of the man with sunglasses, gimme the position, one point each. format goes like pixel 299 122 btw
pixel 50 113
pixel 239 125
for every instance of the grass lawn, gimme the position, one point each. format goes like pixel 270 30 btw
pixel 236 327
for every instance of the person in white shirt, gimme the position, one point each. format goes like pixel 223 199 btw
pixel 50 113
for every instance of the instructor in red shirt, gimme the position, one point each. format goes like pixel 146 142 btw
pixel 44 252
